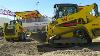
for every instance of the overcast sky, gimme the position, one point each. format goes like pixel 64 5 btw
pixel 44 6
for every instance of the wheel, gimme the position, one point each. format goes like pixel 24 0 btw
pixel 7 39
pixel 10 40
pixel 83 35
pixel 22 37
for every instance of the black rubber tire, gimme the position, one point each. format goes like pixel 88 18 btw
pixel 22 37
pixel 7 39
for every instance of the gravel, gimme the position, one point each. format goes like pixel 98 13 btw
pixel 82 52
pixel 29 48
pixel 18 48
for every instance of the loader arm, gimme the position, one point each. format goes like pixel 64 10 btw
pixel 84 14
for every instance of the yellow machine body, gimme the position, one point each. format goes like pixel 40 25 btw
pixel 14 30
pixel 64 29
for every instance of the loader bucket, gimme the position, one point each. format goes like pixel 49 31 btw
pixel 39 36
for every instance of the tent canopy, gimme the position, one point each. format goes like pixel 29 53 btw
pixel 28 14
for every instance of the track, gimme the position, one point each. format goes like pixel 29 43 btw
pixel 69 50
pixel 93 50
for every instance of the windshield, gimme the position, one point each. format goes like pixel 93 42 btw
pixel 64 11
pixel 15 21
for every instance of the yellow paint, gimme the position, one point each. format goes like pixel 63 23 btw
pixel 84 13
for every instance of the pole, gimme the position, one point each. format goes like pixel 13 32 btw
pixel 37 4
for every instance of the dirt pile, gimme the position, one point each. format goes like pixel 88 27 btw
pixel 18 48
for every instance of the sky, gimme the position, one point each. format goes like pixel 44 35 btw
pixel 45 7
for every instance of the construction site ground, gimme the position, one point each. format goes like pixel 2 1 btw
pixel 29 48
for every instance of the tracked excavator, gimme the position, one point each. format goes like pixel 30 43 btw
pixel 72 24
pixel 14 31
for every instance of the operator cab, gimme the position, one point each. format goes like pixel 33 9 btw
pixel 64 10
pixel 13 22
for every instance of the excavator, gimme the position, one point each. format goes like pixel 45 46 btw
pixel 72 24
pixel 14 31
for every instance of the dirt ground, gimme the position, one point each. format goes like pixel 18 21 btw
pixel 29 48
